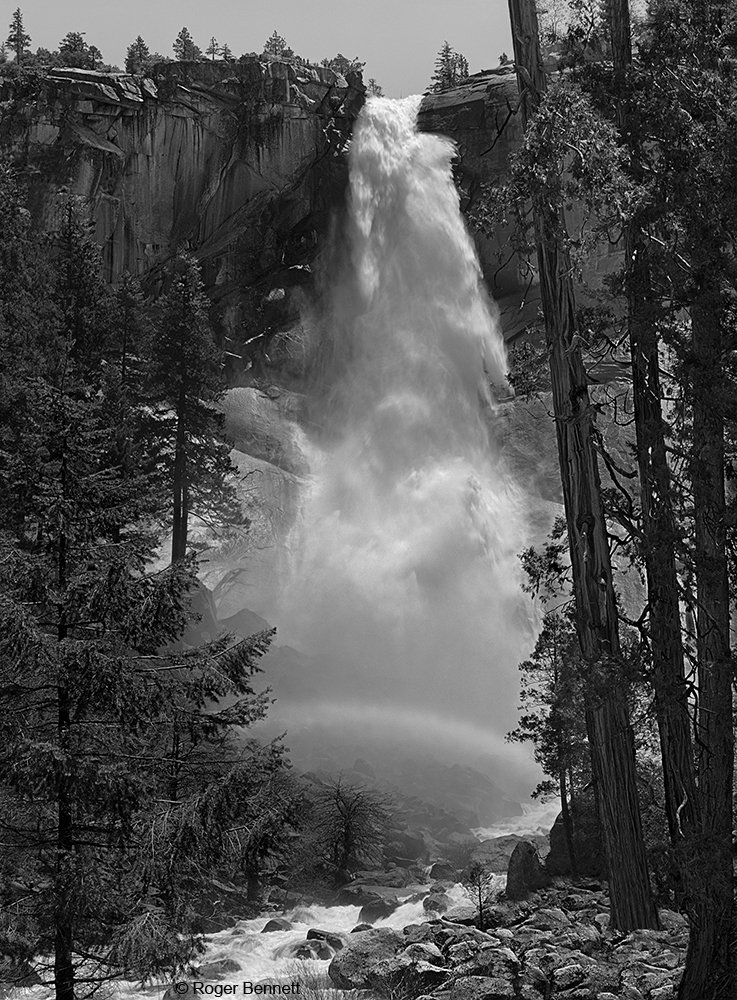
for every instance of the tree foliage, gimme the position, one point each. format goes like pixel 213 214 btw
pixel 137 57
pixel 344 830
pixel 18 38
pixel 125 779
pixel 75 51
pixel 451 68
pixel 184 47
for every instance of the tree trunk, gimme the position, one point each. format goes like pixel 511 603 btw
pixel 179 526
pixel 710 972
pixel 699 819
pixel 609 731
pixel 658 520
pixel 567 823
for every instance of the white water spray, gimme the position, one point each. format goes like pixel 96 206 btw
pixel 405 582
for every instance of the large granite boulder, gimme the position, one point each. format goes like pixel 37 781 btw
pixel 352 968
pixel 526 872
pixel 587 842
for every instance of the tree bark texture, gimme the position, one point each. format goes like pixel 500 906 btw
pixel 699 818
pixel 710 961
pixel 607 717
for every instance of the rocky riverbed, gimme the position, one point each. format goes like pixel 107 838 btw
pixel 421 941
pixel 556 943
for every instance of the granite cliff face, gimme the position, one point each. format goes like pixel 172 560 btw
pixel 241 161
pixel 483 118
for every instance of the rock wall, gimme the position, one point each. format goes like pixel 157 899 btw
pixel 482 116
pixel 241 161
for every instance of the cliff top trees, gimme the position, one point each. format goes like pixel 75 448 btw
pixel 74 51
pixel 137 57
pixel 276 46
pixel 342 64
pixel 18 39
pixel 450 68
pixel 184 47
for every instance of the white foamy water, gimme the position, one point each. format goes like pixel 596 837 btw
pixel 536 818
pixel 405 578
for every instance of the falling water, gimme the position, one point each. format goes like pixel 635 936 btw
pixel 405 577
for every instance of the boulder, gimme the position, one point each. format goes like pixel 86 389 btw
pixel 437 902
pixel 484 958
pixel 462 913
pixel 276 924
pixel 314 949
pixel 336 941
pixel 425 951
pixel 218 970
pixel 403 975
pixel 352 968
pixel 482 988
pixel 361 927
pixel 494 854
pixel 444 870
pixel 377 909
pixel 526 872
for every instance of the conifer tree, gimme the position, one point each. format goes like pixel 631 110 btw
pixel 184 47
pixel 18 39
pixel 79 292
pixel 94 680
pixel 450 68
pixel 554 714
pixel 74 51
pixel 185 384
pixel 213 49
pixel 275 45
pixel 88 694
pixel 137 57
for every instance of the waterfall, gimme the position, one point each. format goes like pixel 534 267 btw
pixel 405 580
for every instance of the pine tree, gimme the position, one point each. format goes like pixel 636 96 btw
pixel 79 292
pixel 18 39
pixel 373 89
pixel 88 695
pixel 137 57
pixel 554 714
pixel 94 679
pixel 226 52
pixel 450 69
pixel 74 51
pixel 275 45
pixel 185 384
pixel 213 49
pixel 184 47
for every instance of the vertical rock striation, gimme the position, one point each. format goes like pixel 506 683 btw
pixel 243 161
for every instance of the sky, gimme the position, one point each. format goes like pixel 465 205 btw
pixel 397 39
